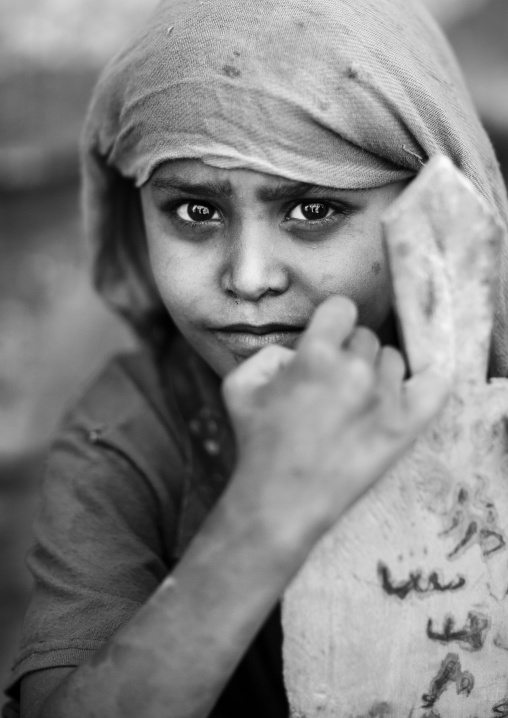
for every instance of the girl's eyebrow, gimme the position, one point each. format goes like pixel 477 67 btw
pixel 203 189
pixel 284 190
pixel 287 190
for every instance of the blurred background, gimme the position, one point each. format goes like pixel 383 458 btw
pixel 54 331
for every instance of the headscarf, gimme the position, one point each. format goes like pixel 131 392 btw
pixel 342 93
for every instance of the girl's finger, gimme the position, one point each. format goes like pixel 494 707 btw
pixel 364 344
pixel 258 370
pixel 391 370
pixel 424 395
pixel 390 373
pixel 332 323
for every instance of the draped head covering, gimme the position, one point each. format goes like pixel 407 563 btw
pixel 342 93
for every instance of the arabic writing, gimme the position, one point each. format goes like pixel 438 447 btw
pixel 449 672
pixel 416 583
pixel 471 636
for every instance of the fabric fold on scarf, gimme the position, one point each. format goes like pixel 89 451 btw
pixel 342 93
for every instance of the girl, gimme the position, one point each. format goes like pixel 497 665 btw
pixel 237 160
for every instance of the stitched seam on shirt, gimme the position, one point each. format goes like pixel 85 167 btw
pixel 58 647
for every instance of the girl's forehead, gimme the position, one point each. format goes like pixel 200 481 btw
pixel 180 173
pixel 194 177
pixel 196 168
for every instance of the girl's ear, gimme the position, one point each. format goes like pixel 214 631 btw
pixel 121 268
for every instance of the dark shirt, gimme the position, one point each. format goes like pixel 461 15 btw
pixel 139 463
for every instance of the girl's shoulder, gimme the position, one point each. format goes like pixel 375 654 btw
pixel 128 384
pixel 133 394
pixel 165 416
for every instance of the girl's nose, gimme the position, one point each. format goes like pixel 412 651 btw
pixel 254 267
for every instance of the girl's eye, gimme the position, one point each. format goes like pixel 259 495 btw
pixel 311 211
pixel 197 212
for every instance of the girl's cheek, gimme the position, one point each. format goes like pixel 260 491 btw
pixel 375 302
pixel 366 283
pixel 169 282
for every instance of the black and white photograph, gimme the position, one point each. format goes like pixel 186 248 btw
pixel 254 359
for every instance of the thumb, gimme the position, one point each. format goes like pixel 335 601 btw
pixel 256 372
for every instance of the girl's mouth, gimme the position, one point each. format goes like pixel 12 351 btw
pixel 246 339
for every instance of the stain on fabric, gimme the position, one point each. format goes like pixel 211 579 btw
pixel 471 637
pixel 376 268
pixel 352 73
pixel 231 71
pixel 416 583
pixel 450 672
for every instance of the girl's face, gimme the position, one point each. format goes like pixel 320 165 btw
pixel 242 259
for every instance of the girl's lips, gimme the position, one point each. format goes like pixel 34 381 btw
pixel 247 341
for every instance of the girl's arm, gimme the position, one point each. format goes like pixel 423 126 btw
pixel 315 429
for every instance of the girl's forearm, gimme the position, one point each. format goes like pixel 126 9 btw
pixel 175 656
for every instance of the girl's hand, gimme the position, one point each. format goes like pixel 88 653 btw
pixel 318 426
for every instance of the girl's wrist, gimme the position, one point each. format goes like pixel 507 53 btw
pixel 281 536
